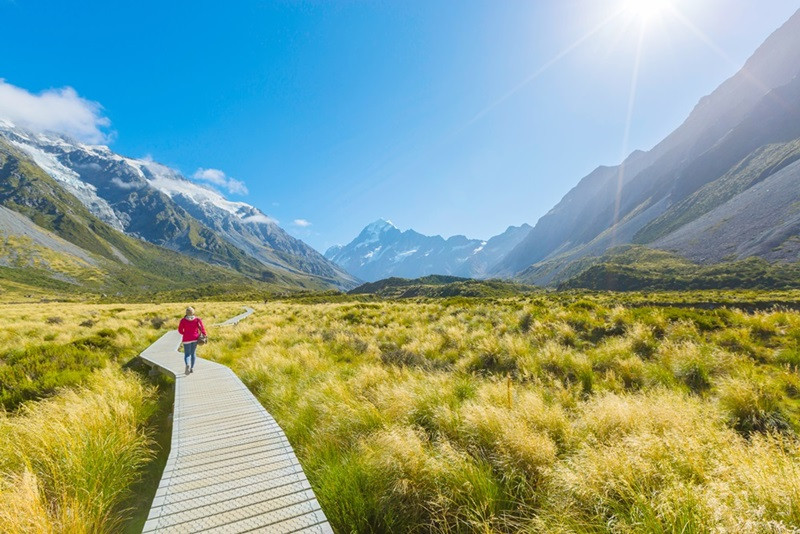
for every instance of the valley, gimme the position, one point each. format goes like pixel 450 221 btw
pixel 627 363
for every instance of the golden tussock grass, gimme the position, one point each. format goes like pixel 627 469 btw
pixel 67 463
pixel 532 414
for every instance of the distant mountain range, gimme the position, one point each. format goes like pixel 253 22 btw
pixel 382 250
pixel 723 186
pixel 89 194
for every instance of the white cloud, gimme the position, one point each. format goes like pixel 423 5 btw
pixel 125 185
pixel 302 223
pixel 217 177
pixel 259 218
pixel 54 110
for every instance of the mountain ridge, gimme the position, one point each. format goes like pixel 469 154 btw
pixel 153 202
pixel 755 107
pixel 50 237
pixel 381 250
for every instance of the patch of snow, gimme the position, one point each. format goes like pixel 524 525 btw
pixel 400 256
pixel 371 253
pixel 374 230
pixel 483 244
pixel 86 193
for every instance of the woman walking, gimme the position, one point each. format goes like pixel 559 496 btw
pixel 191 327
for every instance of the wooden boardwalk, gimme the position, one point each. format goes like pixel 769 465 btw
pixel 230 467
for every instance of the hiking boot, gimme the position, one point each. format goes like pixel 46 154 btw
pixel 191 370
pixel 188 370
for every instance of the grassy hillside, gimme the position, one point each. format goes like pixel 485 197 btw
pixel 441 286
pixel 125 265
pixel 635 268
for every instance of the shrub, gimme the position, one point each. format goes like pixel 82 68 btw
pixel 401 357
pixel 493 363
pixel 525 322
pixel 158 322
pixel 752 407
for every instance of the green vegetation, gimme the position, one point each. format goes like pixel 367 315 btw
pixel 562 412
pixel 435 286
pixel 636 268
pixel 44 347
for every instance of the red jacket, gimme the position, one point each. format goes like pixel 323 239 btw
pixel 191 328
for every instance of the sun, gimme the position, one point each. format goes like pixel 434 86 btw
pixel 646 10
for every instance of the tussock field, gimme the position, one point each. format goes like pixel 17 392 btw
pixel 543 413
pixel 76 430
pixel 534 414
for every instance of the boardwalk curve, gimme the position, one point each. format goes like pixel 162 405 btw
pixel 230 467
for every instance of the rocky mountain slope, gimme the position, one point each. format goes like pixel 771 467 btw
pixel 691 193
pixel 382 250
pixel 150 201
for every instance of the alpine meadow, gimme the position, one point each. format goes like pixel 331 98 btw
pixel 208 322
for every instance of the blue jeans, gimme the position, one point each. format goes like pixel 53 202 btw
pixel 189 349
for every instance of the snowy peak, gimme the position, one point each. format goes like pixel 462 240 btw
pixel 373 232
pixel 381 225
pixel 382 250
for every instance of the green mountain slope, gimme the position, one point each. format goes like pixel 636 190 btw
pixel 636 268
pixel 436 286
pixel 115 263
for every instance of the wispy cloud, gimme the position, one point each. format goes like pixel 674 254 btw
pixel 54 110
pixel 302 223
pixel 126 185
pixel 259 218
pixel 219 178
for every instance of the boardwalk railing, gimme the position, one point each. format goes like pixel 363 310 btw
pixel 230 467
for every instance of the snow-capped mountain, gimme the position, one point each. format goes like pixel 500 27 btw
pixel 156 203
pixel 382 250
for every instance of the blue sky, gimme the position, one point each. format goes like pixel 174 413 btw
pixel 428 113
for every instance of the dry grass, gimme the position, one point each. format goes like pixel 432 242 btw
pixel 78 434
pixel 66 463
pixel 532 414
pixel 542 414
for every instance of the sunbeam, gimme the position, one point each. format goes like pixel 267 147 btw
pixel 626 134
pixel 428 152
pixel 555 59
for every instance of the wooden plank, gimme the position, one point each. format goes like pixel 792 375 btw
pixel 230 467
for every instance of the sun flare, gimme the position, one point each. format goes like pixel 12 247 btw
pixel 646 10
